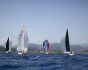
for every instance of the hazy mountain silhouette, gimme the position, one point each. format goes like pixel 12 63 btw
pixel 54 47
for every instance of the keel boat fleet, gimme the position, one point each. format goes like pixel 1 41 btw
pixel 23 43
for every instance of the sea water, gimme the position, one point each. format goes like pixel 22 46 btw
pixel 41 61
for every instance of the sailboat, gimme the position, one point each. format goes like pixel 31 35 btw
pixel 7 46
pixel 46 46
pixel 22 42
pixel 66 45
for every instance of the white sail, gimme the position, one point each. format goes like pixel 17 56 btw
pixel 63 43
pixel 22 41
pixel 10 45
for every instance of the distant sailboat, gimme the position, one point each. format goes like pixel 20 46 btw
pixel 7 46
pixel 46 46
pixel 65 44
pixel 22 42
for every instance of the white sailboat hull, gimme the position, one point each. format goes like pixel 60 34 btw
pixel 21 52
pixel 7 52
pixel 46 52
pixel 69 53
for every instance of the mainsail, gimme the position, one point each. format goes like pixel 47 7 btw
pixel 10 45
pixel 22 41
pixel 65 42
pixel 7 45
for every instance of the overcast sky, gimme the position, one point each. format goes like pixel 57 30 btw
pixel 44 19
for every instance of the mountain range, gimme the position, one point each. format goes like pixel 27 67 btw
pixel 54 47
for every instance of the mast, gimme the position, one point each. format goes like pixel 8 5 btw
pixel 67 42
pixel 7 45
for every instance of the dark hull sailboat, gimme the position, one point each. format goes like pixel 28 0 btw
pixel 7 45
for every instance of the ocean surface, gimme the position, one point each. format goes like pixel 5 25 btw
pixel 41 61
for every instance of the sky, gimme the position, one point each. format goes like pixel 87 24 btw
pixel 44 19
